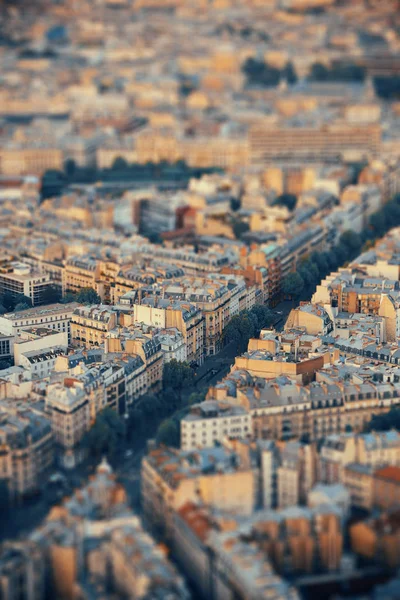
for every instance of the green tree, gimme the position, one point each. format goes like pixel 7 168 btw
pixel 119 164
pixel 168 433
pixel 239 228
pixel 289 73
pixel 260 73
pixel 106 435
pixel 288 200
pixel 8 301
pixel 351 241
pixel 319 72
pixel 68 297
pixel 196 398
pixel 88 296
pixel 239 330
pixel 385 421
pixel 70 168
pixel 22 306
pixel 378 223
pixel 51 294
pixel 293 285
pixel 177 375
pixel 264 317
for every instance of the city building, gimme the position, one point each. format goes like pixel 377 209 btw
pixel 17 278
pixel 27 447
pixel 210 422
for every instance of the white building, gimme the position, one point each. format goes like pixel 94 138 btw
pixel 173 345
pixel 35 339
pixel 40 363
pixel 18 278
pixel 211 421
pixel 53 316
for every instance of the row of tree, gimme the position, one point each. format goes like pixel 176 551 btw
pixel 336 72
pixel 86 295
pixel 385 422
pixel 50 295
pixel 260 73
pixel 317 266
pixel 54 181
pixel 14 302
pixel 110 431
pixel 246 325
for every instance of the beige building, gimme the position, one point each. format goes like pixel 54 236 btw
pixel 312 318
pixel 27 447
pixel 170 478
pixel 184 316
pixel 79 273
pixel 146 346
pixel 68 408
pixel 90 325
pixel 90 541
pixel 30 161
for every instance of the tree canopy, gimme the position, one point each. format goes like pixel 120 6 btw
pixel 385 421
pixel 288 200
pixel 246 325
pixel 88 296
pixel 177 375
pixel 106 434
pixel 259 72
pixel 51 294
pixel 168 433
pixel 293 285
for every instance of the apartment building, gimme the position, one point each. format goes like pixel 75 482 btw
pixel 53 316
pixel 357 479
pixel 68 408
pixel 146 345
pixel 187 318
pixel 170 478
pixel 40 363
pixel 90 325
pixel 329 142
pixel 80 272
pixel 136 378
pixel 18 278
pixel 386 488
pixel 22 572
pixel 27 447
pixel 296 473
pixel 36 339
pixel 90 541
pixel 30 160
pixel 219 298
pixel 138 276
pixel 377 539
pixel 263 264
pixel 312 539
pixel 210 422
pixel 220 561
pixel 312 318
pixel 283 409
pixel 373 449
pixel 6 347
